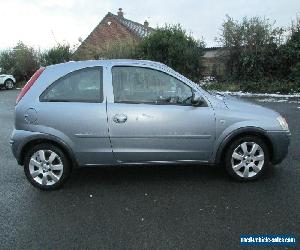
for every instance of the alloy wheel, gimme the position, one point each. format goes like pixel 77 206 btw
pixel 46 167
pixel 247 159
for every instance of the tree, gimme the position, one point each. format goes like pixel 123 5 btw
pixel 172 46
pixel 290 52
pixel 295 73
pixel 252 48
pixel 6 61
pixel 58 54
pixel 21 61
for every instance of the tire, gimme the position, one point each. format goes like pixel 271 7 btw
pixel 9 84
pixel 247 158
pixel 46 167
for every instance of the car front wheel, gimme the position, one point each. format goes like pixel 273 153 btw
pixel 247 158
pixel 46 167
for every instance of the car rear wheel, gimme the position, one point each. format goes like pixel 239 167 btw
pixel 247 158
pixel 46 167
pixel 9 84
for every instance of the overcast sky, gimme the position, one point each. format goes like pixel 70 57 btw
pixel 42 23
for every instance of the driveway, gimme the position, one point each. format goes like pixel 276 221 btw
pixel 133 207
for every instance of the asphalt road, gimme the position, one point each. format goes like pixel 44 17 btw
pixel 163 207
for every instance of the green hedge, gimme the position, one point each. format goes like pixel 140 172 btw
pixel 256 87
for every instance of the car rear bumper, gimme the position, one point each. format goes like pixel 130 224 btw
pixel 17 141
pixel 280 143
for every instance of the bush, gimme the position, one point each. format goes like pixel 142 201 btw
pixel 58 54
pixel 172 46
pixel 6 61
pixel 125 49
pixel 291 53
pixel 256 87
pixel 21 61
pixel 295 72
pixel 252 49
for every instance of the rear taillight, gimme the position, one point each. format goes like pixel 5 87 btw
pixel 30 83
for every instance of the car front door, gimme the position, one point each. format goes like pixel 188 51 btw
pixel 152 119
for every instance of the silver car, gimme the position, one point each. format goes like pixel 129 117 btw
pixel 117 112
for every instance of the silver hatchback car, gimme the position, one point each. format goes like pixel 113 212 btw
pixel 112 112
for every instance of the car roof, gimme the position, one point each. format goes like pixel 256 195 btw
pixel 64 68
pixel 56 71
pixel 73 65
pixel 111 62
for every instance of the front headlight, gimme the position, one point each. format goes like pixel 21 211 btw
pixel 282 123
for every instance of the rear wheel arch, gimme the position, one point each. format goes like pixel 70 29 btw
pixel 260 133
pixel 38 141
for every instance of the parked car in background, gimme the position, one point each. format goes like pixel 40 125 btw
pixel 7 81
pixel 118 112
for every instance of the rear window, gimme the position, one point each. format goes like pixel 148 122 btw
pixel 84 85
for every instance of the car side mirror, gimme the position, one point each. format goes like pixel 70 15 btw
pixel 197 99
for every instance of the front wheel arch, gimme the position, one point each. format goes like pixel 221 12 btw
pixel 242 133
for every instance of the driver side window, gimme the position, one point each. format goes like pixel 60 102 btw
pixel 144 85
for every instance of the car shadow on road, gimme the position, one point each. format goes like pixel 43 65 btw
pixel 133 174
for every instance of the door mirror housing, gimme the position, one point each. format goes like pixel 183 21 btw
pixel 197 99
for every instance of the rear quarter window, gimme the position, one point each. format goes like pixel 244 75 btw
pixel 84 85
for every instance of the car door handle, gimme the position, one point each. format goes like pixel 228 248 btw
pixel 120 118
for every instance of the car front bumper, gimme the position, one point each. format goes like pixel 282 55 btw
pixel 280 141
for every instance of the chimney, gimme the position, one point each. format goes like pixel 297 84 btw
pixel 146 24
pixel 120 13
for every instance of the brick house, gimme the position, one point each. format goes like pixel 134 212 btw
pixel 112 29
pixel 116 28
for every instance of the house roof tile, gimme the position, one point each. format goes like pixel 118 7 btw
pixel 138 29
